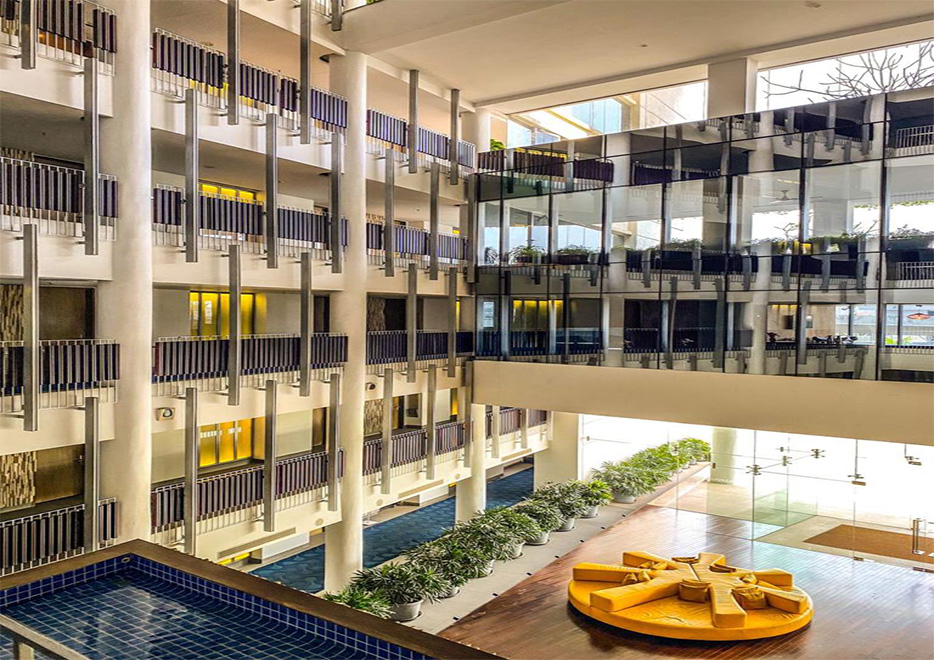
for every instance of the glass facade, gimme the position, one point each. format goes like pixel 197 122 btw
pixel 797 241
pixel 839 495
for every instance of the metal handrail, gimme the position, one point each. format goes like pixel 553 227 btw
pixel 24 636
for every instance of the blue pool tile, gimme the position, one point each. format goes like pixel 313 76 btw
pixel 388 540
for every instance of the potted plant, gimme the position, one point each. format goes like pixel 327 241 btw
pixel 694 449
pixel 595 494
pixel 363 600
pixel 457 563
pixel 567 499
pixel 405 585
pixel 490 541
pixel 546 514
pixel 573 255
pixel 626 482
pixel 523 528
pixel 526 254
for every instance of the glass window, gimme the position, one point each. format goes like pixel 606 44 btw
pixel 906 66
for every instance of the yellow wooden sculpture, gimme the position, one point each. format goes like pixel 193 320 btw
pixel 699 597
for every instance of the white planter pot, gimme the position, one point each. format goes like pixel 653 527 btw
pixel 453 592
pixel 405 611
pixel 693 461
pixel 489 569
pixel 622 498
pixel 542 539
pixel 516 551
pixel 567 525
pixel 592 512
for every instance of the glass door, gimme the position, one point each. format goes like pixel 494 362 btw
pixel 894 514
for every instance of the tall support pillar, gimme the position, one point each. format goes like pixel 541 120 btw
pixel 471 492
pixel 28 33
pixel 334 442
pixel 31 354
pixel 433 220
pixel 269 459
pixel 306 19
pixel 452 321
pixel 92 157
pixel 495 431
pixel 385 484
pixel 430 427
pixel 192 167
pixel 336 210
pixel 337 15
pixel 725 464
pixel 233 62
pixel 191 470
pixel 453 145
pixel 477 129
pixel 731 87
pixel 234 347
pixel 411 323
pixel 127 297
pixel 561 461
pixel 272 191
pixel 92 473
pixel 389 212
pixel 412 136
pixel 307 325
pixel 344 550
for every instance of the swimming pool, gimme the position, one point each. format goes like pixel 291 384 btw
pixel 389 539
pixel 130 606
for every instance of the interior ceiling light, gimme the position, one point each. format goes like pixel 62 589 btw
pixel 919 316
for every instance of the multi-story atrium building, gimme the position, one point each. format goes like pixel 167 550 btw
pixel 290 288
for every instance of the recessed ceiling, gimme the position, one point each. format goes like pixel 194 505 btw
pixel 566 45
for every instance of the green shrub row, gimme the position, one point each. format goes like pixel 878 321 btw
pixel 648 468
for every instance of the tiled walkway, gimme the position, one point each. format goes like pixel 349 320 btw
pixel 389 539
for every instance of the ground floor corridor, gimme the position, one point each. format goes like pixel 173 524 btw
pixel 387 540
pixel 862 609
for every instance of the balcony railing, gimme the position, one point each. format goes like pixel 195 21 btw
pixel 534 343
pixel 201 362
pixel 510 420
pixel 65 27
pixel 412 446
pixel 69 371
pixel 52 197
pixel 238 489
pixel 412 244
pixel 41 538
pixel 390 346
pixel 225 220
pixel 180 64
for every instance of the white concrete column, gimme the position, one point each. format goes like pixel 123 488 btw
pixel 731 87
pixel 344 540
pixel 125 304
pixel 471 492
pixel 723 455
pixel 562 460
pixel 476 127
